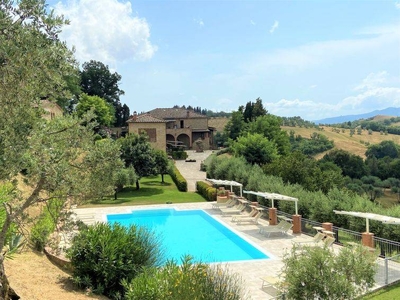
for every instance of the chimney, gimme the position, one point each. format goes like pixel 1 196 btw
pixel 134 117
pixel 187 113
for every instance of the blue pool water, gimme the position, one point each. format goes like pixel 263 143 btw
pixel 192 232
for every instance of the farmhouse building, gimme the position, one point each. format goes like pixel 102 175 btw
pixel 167 127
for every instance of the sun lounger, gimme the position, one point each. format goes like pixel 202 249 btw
pixel 233 210
pixel 229 203
pixel 283 227
pixel 316 239
pixel 250 220
pixel 327 241
pixel 270 285
pixel 252 213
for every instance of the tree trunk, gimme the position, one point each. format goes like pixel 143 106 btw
pixel 137 185
pixel 6 292
pixel 162 178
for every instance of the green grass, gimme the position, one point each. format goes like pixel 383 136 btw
pixel 389 292
pixel 152 191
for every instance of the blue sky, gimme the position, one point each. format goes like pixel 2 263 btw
pixel 313 59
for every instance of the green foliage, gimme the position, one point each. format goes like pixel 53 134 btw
pixel 385 148
pixel 270 127
pixel 97 80
pixel 179 180
pixel 313 272
pixel 235 126
pixel 318 143
pixel 253 110
pixel 187 280
pixel 103 111
pixel 137 152
pixel 208 192
pixel 103 255
pixel 255 148
pixel 46 224
pixel 178 154
pixel 297 168
pixel 163 165
pixel 352 165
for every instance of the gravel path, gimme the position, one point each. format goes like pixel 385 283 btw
pixel 191 170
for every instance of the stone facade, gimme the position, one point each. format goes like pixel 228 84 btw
pixel 178 127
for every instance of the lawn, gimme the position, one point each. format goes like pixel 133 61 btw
pixel 389 292
pixel 152 191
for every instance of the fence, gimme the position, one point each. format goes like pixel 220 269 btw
pixel 388 263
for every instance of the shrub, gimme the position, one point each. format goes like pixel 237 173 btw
pixel 179 154
pixel 179 180
pixel 208 192
pixel 103 255
pixel 46 224
pixel 185 281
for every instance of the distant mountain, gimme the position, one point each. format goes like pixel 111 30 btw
pixel 390 111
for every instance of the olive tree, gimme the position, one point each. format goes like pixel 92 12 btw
pixel 313 272
pixel 42 159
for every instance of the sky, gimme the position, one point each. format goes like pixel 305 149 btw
pixel 313 59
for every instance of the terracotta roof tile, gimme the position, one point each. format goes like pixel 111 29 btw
pixel 174 113
pixel 144 118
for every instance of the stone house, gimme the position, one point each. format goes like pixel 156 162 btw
pixel 172 127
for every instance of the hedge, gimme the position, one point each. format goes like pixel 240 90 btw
pixel 208 192
pixel 179 180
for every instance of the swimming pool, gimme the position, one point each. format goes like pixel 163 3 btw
pixel 192 232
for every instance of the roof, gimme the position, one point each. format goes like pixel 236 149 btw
pixel 144 118
pixel 174 113
pixel 224 182
pixel 370 216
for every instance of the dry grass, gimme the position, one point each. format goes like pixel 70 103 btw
pixel 356 144
pixel 34 277
pixel 218 122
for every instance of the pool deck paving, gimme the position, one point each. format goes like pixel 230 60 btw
pixel 251 271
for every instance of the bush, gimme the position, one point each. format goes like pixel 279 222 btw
pixel 180 154
pixel 46 224
pixel 208 192
pixel 103 255
pixel 185 281
pixel 179 180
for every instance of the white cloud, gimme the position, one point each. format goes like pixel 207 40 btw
pixel 199 22
pixel 372 81
pixel 252 22
pixel 107 32
pixel 374 89
pixel 308 109
pixel 274 27
pixel 313 86
pixel 397 4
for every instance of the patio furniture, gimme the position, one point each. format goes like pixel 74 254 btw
pixel 283 227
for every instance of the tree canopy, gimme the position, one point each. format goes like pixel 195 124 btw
pixel 137 152
pixel 103 111
pixel 97 80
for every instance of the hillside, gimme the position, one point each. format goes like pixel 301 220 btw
pixel 390 111
pixel 356 144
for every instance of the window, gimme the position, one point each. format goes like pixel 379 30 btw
pixel 182 125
